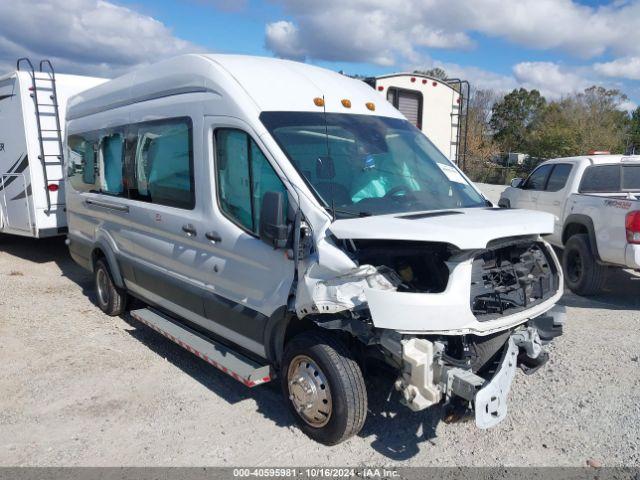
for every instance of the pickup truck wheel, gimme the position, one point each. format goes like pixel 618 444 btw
pixel 111 299
pixel 324 387
pixel 583 274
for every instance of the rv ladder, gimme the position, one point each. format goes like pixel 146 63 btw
pixel 46 82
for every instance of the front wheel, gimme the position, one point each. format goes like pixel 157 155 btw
pixel 583 274
pixel 324 387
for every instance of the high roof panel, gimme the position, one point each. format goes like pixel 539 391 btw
pixel 270 84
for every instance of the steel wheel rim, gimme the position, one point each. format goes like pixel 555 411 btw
pixel 102 284
pixel 574 266
pixel 309 391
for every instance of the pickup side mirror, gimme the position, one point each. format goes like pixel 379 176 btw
pixel 517 182
pixel 273 224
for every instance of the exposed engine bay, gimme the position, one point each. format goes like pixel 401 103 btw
pixel 509 277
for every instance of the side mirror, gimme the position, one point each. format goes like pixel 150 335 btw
pixel 273 224
pixel 517 182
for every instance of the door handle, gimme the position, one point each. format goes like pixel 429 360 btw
pixel 214 237
pixel 556 203
pixel 190 230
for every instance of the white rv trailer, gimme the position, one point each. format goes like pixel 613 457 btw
pixel 32 107
pixel 437 107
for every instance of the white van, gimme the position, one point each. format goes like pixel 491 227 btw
pixel 32 106
pixel 282 220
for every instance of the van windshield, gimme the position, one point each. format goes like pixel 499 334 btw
pixel 361 165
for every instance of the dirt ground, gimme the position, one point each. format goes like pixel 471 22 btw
pixel 80 388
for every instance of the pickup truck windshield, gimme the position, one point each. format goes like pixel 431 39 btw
pixel 368 165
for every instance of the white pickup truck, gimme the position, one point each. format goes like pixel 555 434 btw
pixel 596 203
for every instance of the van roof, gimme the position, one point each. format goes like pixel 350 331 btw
pixel 270 84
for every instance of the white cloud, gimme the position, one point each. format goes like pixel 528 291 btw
pixel 628 67
pixel 549 78
pixel 84 36
pixel 392 31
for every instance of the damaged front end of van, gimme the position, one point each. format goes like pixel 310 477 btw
pixel 450 306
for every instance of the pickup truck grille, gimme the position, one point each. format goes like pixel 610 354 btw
pixel 511 276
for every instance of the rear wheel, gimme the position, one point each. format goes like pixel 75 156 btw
pixel 111 299
pixel 583 274
pixel 324 387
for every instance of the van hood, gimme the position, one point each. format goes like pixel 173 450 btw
pixel 466 228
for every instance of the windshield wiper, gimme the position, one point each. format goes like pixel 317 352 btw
pixel 352 214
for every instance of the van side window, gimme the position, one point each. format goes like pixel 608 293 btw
pixel 81 163
pixel 111 156
pixel 243 176
pixel 163 164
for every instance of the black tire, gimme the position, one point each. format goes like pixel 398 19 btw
pixel 583 274
pixel 338 371
pixel 111 299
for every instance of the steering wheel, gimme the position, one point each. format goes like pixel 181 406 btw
pixel 396 190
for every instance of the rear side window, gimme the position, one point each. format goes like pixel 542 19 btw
pixel 601 179
pixel 243 177
pixel 631 177
pixel 111 164
pixel 538 179
pixel 162 167
pixel 558 178
pixel 82 168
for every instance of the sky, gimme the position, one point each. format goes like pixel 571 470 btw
pixel 555 46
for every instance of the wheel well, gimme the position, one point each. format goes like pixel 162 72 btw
pixel 96 255
pixel 573 229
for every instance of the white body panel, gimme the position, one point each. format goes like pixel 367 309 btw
pixel 605 211
pixel 23 205
pixel 467 229
pixel 439 111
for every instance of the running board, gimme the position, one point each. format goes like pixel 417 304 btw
pixel 243 369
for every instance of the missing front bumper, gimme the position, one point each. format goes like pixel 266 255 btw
pixel 490 403
pixel 427 380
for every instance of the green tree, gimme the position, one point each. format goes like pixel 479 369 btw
pixel 576 124
pixel 514 117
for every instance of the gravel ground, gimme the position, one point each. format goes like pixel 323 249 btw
pixel 80 388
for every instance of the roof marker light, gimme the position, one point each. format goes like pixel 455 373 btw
pixel 599 152
pixel 52 187
pixel 380 88
pixel 371 106
pixel 413 79
pixel 346 103
pixel 319 101
pixel 424 81
pixel 435 84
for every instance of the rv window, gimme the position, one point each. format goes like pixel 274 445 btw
pixel 112 150
pixel 244 175
pixel 81 164
pixel 163 164
pixel 409 102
